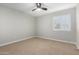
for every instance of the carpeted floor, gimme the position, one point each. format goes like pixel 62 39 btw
pixel 39 46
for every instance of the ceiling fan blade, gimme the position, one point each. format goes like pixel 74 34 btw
pixel 33 9
pixel 44 9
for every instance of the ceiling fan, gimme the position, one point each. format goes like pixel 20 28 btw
pixel 39 6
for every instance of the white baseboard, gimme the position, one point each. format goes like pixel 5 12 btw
pixel 57 40
pixel 77 46
pixel 4 44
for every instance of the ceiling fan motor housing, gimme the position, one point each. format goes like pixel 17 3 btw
pixel 38 5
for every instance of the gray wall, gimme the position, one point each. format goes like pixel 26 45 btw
pixel 15 25
pixel 45 26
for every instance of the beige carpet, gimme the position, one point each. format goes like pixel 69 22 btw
pixel 38 46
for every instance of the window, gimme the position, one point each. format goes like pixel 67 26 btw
pixel 62 22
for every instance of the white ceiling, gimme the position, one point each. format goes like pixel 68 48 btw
pixel 27 7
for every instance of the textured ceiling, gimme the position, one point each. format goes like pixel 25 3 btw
pixel 27 7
